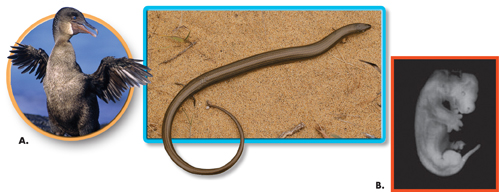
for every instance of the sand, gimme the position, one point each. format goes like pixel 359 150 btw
pixel 334 90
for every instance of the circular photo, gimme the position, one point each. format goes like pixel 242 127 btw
pixel 71 75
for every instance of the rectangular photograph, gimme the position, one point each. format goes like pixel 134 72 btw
pixel 287 74
pixel 444 117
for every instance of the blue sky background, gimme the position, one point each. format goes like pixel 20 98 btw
pixel 28 91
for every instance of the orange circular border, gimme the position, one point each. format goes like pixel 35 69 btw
pixel 105 128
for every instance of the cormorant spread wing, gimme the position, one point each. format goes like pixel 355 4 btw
pixel 114 75
pixel 26 56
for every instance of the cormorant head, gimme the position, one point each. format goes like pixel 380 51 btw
pixel 68 22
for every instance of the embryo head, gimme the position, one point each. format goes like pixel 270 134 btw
pixel 464 91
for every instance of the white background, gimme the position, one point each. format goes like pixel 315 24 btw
pixel 119 160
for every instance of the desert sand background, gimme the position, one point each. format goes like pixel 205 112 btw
pixel 335 90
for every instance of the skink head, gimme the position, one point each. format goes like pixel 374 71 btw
pixel 363 27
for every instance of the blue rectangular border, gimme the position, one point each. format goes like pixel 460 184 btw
pixel 275 8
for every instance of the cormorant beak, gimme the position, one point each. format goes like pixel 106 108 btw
pixel 79 27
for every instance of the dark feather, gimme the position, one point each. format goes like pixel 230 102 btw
pixel 26 56
pixel 115 75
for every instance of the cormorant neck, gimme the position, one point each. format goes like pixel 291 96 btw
pixel 61 37
pixel 63 50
